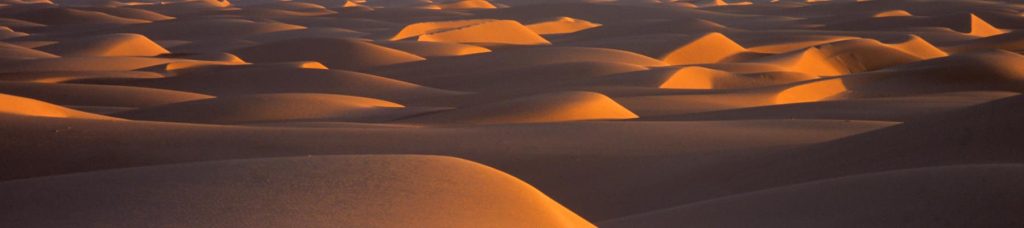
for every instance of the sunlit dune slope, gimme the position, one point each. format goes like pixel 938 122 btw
pixel 107 45
pixel 554 107
pixel 14 105
pixel 318 191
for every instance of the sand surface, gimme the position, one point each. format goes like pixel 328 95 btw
pixel 511 113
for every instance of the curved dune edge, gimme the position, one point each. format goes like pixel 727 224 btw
pixel 15 105
pixel 551 107
pixel 316 191
pixel 270 108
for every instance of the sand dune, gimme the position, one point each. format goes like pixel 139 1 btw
pixel 334 53
pixel 986 70
pixel 554 107
pixel 467 4
pixel 893 13
pixel 881 109
pixel 274 107
pixel 58 77
pixel 241 80
pixel 204 29
pixel 132 13
pixel 811 61
pixel 97 95
pixel 705 78
pixel 540 77
pixel 311 191
pixel 436 49
pixel 15 52
pixel 107 45
pixel 967 23
pixel 14 105
pixel 529 56
pixel 493 32
pixel 80 64
pixel 561 25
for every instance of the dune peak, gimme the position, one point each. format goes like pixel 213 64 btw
pixel 707 48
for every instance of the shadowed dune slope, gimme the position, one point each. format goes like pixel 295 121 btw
pixel 525 57
pixel 15 52
pixel 97 95
pixel 318 191
pixel 436 49
pixel 977 195
pixel 273 107
pixel 239 80
pixel 66 16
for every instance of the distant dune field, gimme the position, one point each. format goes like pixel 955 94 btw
pixel 511 113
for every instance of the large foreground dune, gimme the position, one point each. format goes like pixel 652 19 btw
pixel 611 113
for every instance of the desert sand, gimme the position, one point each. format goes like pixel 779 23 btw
pixel 511 113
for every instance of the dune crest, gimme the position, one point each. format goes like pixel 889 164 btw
pixel 121 44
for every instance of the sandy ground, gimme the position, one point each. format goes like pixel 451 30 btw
pixel 511 113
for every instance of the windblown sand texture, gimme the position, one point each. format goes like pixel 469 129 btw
pixel 511 113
